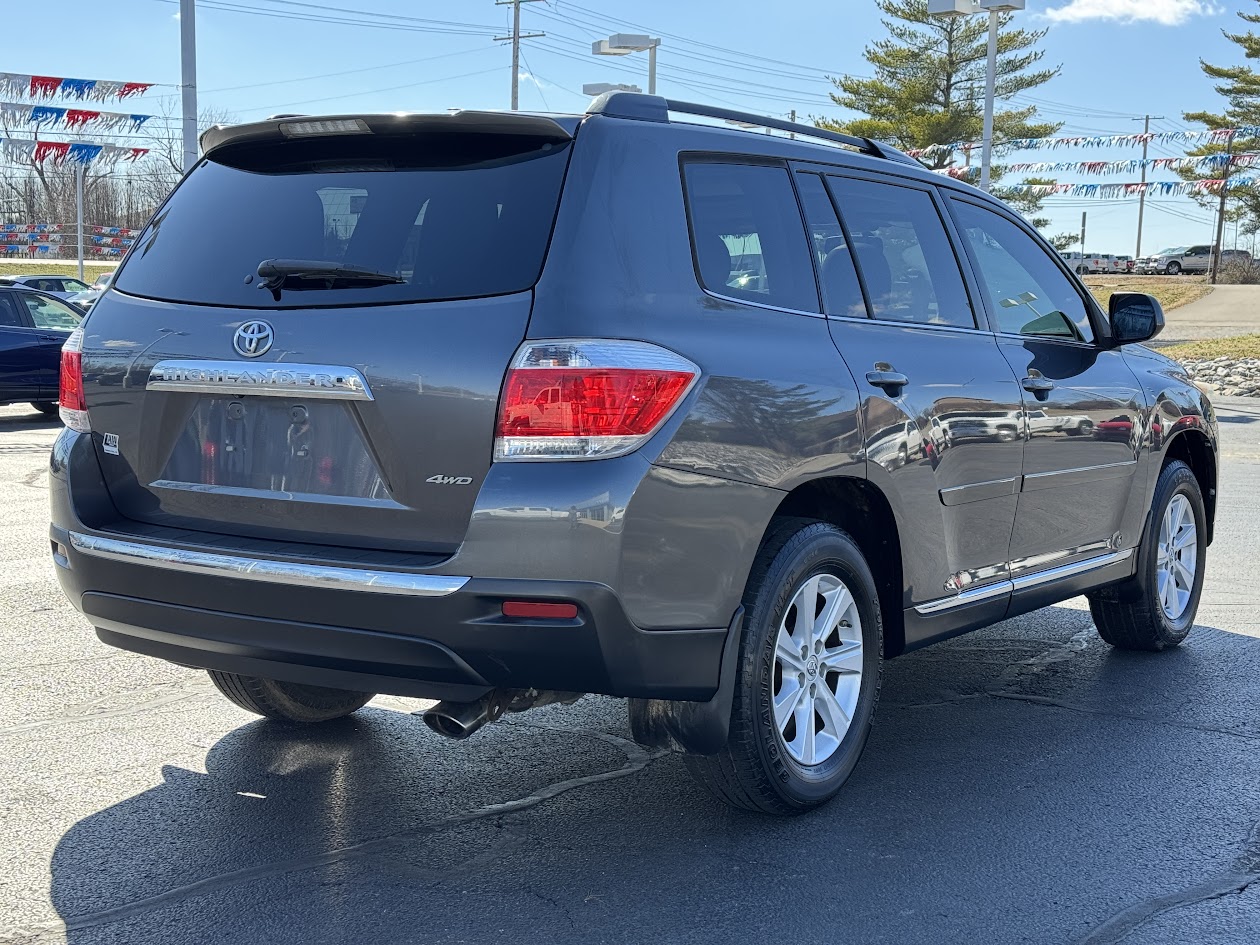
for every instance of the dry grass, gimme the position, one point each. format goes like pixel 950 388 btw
pixel 1240 346
pixel 1172 292
pixel 60 267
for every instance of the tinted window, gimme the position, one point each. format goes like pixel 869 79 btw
pixel 903 250
pixel 74 285
pixel 1029 293
pixel 50 313
pixel 450 215
pixel 9 316
pixel 747 235
pixel 841 291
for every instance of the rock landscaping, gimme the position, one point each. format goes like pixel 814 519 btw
pixel 1229 377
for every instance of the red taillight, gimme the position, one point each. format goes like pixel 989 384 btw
pixel 587 399
pixel 70 397
pixel 539 609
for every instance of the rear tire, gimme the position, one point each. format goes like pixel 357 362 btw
pixel 286 701
pixel 1155 608
pixel 47 407
pixel 772 764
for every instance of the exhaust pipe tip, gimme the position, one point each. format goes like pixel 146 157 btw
pixel 458 720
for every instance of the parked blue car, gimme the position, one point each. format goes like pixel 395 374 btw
pixel 33 327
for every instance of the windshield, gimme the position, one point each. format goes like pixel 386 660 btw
pixel 1175 251
pixel 450 216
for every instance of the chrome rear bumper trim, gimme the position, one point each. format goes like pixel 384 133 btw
pixel 262 569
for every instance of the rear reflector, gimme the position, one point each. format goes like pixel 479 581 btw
pixel 533 608
pixel 587 399
pixel 73 406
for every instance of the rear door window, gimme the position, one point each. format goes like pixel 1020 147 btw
pixel 10 317
pixel 49 312
pixel 447 216
pixel 747 236
pixel 903 251
pixel 837 274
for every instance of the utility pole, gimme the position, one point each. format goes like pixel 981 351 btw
pixel 1083 215
pixel 792 135
pixel 990 84
pixel 78 210
pixel 1220 213
pixel 188 78
pixel 1146 130
pixel 516 38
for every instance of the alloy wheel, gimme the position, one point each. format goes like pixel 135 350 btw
pixel 817 669
pixel 1176 558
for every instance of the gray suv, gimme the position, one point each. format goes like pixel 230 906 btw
pixel 502 409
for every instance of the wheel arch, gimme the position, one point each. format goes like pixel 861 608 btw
pixel 860 509
pixel 1194 449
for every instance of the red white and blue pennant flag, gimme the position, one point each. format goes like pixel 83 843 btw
pixel 42 87
pixel 13 114
pixel 61 152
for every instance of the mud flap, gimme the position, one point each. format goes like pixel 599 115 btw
pixel 698 728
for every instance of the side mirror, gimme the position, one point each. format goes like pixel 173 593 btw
pixel 1135 317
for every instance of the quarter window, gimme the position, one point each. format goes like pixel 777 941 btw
pixel 904 253
pixel 1027 291
pixel 747 236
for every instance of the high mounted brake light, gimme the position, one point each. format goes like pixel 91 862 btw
pixel 336 126
pixel 587 398
pixel 73 406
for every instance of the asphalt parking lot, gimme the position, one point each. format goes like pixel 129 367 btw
pixel 1024 784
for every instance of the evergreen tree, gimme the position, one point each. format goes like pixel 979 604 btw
pixel 928 88
pixel 1239 85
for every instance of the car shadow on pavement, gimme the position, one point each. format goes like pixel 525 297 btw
pixel 34 420
pixel 1021 783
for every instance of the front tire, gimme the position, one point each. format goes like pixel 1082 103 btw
pixel 1155 608
pixel 286 701
pixel 809 674
pixel 1173 269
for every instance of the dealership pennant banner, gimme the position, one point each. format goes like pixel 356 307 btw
pixel 57 116
pixel 1179 188
pixel 60 152
pixel 32 227
pixel 1096 141
pixel 42 87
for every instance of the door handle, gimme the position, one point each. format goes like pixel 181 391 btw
pixel 884 377
pixel 1037 385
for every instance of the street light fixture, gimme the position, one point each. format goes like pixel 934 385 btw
pixel 623 44
pixel 599 88
pixel 952 8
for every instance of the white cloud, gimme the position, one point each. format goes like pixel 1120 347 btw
pixel 1164 12
pixel 538 83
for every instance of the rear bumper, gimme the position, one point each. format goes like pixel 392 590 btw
pixel 443 638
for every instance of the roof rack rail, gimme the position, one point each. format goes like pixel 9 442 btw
pixel 618 104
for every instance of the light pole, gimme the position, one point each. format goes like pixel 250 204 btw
pixel 599 88
pixel 623 44
pixel 953 8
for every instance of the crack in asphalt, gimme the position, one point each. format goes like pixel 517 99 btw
pixel 89 711
pixel 1245 874
pixel 637 758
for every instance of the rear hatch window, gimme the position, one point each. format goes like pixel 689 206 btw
pixel 448 216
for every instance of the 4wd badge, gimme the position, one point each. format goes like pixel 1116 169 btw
pixel 440 480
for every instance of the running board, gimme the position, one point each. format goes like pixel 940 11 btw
pixel 1035 579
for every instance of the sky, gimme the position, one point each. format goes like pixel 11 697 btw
pixel 1119 59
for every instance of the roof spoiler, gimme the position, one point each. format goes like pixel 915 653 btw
pixel 286 127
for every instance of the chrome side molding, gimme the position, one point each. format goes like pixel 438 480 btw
pixel 1035 579
pixel 289 573
pixel 325 381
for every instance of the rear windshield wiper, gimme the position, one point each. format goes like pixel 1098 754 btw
pixel 297 274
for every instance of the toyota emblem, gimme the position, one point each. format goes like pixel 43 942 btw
pixel 253 339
